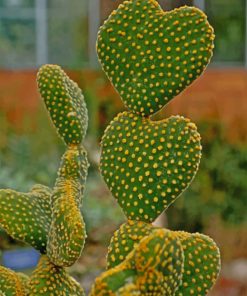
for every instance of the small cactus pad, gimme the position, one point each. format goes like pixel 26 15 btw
pixel 150 55
pixel 148 164
pixel 125 240
pixel 65 103
pixel 11 283
pixel 201 264
pixel 154 268
pixel 67 233
pixel 26 216
pixel 50 280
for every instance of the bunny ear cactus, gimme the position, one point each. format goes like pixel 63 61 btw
pixel 150 56
pixel 50 220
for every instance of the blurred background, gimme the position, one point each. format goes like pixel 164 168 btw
pixel 35 32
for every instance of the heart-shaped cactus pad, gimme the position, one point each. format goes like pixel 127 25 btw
pixel 150 55
pixel 148 164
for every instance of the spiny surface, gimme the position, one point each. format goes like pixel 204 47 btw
pixel 150 55
pixel 201 264
pixel 27 216
pixel 11 283
pixel 67 233
pixel 154 268
pixel 125 239
pixel 148 164
pixel 50 280
pixel 65 103
pixel 201 256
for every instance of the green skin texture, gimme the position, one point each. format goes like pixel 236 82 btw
pixel 49 279
pixel 27 216
pixel 64 102
pixel 50 220
pixel 150 56
pixel 154 267
pixel 201 255
pixel 148 164
pixel 11 283
pixel 67 233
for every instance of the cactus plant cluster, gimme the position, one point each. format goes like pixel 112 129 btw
pixel 150 56
pixel 50 219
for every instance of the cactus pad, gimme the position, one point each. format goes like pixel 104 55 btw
pixel 50 280
pixel 11 283
pixel 154 268
pixel 125 240
pixel 65 103
pixel 148 164
pixel 26 216
pixel 67 233
pixel 201 264
pixel 150 55
pixel 201 255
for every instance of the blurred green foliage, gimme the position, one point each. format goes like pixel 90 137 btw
pixel 228 19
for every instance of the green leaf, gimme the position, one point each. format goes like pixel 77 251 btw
pixel 11 283
pixel 148 164
pixel 50 280
pixel 150 55
pixel 201 264
pixel 27 216
pixel 64 102
pixel 67 233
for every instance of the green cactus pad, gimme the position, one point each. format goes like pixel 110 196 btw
pixel 67 233
pixel 201 264
pixel 65 103
pixel 26 216
pixel 150 55
pixel 50 280
pixel 11 283
pixel 148 164
pixel 125 240
pixel 154 267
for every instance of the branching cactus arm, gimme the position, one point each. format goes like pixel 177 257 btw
pixel 51 220
pixel 67 233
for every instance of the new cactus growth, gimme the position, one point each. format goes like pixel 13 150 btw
pixel 50 220
pixel 150 56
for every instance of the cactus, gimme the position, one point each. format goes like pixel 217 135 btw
pixel 50 220
pixel 150 56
